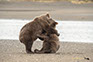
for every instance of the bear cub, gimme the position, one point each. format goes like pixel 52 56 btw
pixel 51 44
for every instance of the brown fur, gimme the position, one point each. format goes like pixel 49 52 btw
pixel 50 44
pixel 51 41
pixel 28 33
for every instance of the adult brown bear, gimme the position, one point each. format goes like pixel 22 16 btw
pixel 39 25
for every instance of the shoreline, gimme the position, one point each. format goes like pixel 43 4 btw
pixel 65 45
pixel 70 31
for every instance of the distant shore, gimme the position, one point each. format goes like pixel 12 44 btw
pixel 58 10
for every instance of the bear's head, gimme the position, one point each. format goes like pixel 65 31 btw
pixel 52 30
pixel 53 24
pixel 46 17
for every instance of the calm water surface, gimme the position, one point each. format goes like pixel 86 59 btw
pixel 70 31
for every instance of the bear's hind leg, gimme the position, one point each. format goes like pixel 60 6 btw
pixel 28 46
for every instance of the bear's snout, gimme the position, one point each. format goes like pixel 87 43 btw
pixel 58 34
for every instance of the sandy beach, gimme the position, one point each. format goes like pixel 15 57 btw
pixel 14 51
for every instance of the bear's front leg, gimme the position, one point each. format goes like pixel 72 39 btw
pixel 43 37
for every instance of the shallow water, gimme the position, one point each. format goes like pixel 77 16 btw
pixel 70 31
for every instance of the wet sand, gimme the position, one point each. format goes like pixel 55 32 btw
pixel 14 51
pixel 58 10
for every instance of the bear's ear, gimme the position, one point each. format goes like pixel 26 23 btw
pixel 56 23
pixel 36 19
pixel 48 15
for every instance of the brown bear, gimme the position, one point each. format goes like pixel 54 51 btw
pixel 28 33
pixel 51 41
pixel 51 44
